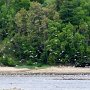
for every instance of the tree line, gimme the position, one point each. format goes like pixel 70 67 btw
pixel 55 32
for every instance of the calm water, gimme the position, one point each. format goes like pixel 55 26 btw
pixel 46 82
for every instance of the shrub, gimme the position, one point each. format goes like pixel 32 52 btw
pixel 8 61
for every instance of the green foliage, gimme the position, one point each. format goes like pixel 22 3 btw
pixel 8 61
pixel 18 4
pixel 40 1
pixel 40 32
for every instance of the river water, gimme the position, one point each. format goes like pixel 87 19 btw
pixel 37 82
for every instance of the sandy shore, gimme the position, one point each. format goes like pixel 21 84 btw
pixel 49 70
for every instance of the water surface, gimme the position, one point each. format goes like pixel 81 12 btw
pixel 62 82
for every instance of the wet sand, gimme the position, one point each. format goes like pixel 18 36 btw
pixel 47 71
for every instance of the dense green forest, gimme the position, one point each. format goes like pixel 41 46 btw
pixel 50 32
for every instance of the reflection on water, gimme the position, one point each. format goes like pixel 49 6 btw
pixel 62 82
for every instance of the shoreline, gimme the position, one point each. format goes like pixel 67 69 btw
pixel 61 70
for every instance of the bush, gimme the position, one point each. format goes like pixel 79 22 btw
pixel 8 61
pixel 29 62
pixel 51 60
